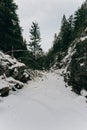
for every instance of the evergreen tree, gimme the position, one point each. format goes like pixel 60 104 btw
pixel 10 31
pixel 61 41
pixel 80 19
pixel 57 46
pixel 65 33
pixel 71 28
pixel 34 43
pixel 49 59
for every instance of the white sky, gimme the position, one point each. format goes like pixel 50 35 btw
pixel 48 14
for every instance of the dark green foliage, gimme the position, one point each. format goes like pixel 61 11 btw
pixel 80 19
pixel 61 41
pixel 66 32
pixel 34 46
pixel 78 67
pixel 70 29
pixel 10 31
pixel 57 46
pixel 49 59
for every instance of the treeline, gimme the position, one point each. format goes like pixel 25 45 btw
pixel 31 53
pixel 10 31
pixel 70 29
pixel 11 39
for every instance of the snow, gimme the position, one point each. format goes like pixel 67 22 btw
pixel 84 93
pixel 44 104
pixel 8 82
pixel 83 38
pixel 82 64
pixel 67 59
pixel 7 57
pixel 3 83
pixel 71 51
pixel 6 60
pixel 18 64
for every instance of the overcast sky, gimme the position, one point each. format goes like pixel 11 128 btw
pixel 47 13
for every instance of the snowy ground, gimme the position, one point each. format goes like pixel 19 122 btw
pixel 44 104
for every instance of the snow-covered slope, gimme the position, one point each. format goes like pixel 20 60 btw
pixel 44 104
pixel 12 74
pixel 74 63
pixel 8 60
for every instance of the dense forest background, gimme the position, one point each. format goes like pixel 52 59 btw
pixel 31 53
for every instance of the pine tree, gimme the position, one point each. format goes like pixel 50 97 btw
pixel 34 43
pixel 80 18
pixel 10 31
pixel 65 33
pixel 71 28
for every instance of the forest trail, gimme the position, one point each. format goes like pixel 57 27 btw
pixel 44 104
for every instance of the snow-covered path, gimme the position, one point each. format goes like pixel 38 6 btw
pixel 44 104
